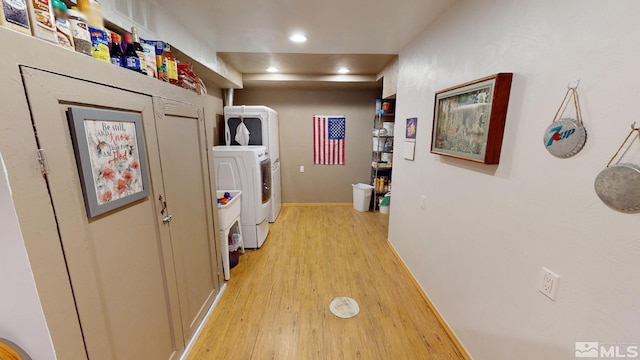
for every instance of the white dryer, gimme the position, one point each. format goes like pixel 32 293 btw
pixel 262 125
pixel 247 168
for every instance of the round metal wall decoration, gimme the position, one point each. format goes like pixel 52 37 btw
pixel 618 185
pixel 565 137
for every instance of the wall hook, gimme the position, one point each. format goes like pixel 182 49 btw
pixel 571 85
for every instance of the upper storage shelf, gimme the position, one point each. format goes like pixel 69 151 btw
pixel 157 23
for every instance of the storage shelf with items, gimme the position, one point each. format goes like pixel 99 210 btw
pixel 382 151
pixel 80 26
pixel 155 58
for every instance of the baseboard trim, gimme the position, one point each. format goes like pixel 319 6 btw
pixel 441 320
pixel 316 204
pixel 196 335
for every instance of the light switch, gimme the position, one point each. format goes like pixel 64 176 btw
pixel 301 168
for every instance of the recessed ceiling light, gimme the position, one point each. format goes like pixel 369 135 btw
pixel 299 38
pixel 343 70
pixel 272 69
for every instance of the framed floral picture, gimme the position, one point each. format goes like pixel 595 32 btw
pixel 469 119
pixel 111 158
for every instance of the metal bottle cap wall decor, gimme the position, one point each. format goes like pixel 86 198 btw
pixel 619 184
pixel 566 136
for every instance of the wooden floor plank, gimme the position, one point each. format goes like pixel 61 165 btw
pixel 276 305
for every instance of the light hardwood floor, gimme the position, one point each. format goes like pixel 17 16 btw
pixel 276 305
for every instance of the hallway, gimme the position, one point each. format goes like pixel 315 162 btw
pixel 276 303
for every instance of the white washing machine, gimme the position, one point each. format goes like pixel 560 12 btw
pixel 247 168
pixel 262 124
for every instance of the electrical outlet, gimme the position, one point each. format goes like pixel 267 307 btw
pixel 301 168
pixel 423 201
pixel 549 283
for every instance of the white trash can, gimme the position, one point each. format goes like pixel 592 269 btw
pixel 361 196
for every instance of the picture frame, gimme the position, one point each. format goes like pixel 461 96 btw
pixel 410 134
pixel 469 119
pixel 411 129
pixel 110 153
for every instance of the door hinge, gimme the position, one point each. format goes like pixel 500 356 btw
pixel 44 163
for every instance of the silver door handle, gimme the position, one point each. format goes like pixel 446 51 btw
pixel 167 219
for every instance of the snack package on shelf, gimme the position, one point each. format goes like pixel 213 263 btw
pixel 161 70
pixel 15 15
pixel 150 59
pixel 99 44
pixel 43 24
pixel 187 78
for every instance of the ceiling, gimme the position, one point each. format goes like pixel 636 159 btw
pixel 312 64
pixel 361 35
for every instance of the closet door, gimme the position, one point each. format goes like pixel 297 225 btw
pixel 184 155
pixel 119 263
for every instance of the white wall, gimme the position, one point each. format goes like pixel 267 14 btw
pixel 21 318
pixel 478 247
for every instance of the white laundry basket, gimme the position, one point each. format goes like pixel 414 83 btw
pixel 361 196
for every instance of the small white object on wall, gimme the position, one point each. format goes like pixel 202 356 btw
pixel 549 283
pixel 409 149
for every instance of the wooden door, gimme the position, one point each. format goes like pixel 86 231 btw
pixel 184 155
pixel 119 263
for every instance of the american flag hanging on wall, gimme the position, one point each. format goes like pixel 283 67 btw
pixel 328 139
